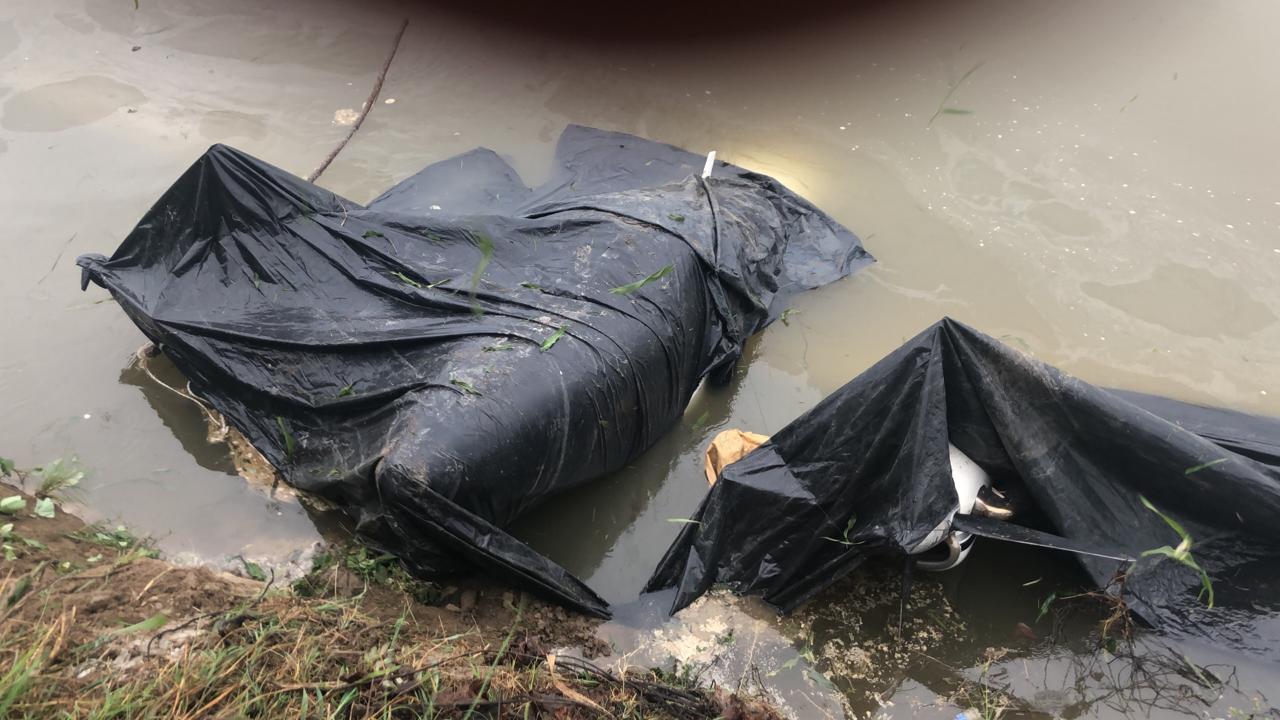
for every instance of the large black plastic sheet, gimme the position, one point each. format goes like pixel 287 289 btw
pixel 444 359
pixel 1078 457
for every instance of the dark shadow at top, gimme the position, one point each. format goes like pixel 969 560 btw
pixel 665 23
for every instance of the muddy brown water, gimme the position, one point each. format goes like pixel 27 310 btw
pixel 1107 201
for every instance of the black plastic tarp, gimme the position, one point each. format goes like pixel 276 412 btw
pixel 442 360
pixel 872 459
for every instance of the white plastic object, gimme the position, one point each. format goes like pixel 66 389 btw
pixel 968 479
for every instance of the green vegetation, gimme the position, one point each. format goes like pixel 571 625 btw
pixel 1197 468
pixel 252 569
pixel 55 480
pixel 290 445
pixel 1045 605
pixel 848 528
pixel 651 277
pixel 119 540
pixel 288 658
pixel 43 508
pixel 553 338
pixel 1182 553
pixel 485 244
pixel 372 570
pixel 81 642
pixel 407 280
pixel 988 703
pixel 943 109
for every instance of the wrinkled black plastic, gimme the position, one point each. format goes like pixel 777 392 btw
pixel 1075 457
pixel 444 359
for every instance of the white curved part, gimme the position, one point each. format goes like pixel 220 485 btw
pixel 968 479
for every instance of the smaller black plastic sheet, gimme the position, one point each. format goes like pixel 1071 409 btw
pixel 866 472
pixel 443 360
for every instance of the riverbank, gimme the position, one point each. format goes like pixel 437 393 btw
pixel 95 624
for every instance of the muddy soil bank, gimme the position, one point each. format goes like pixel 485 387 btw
pixel 93 623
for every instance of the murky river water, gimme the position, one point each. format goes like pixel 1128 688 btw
pixel 1109 201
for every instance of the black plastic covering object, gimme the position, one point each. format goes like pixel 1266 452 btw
pixel 442 360
pixel 872 458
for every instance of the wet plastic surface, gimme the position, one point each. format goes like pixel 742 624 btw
pixel 446 358
pixel 866 472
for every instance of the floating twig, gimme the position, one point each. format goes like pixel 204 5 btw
pixel 368 105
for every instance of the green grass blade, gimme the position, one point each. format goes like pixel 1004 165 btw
pixel 651 277
pixel 407 280
pixel 1197 468
pixel 554 338
pixel 151 624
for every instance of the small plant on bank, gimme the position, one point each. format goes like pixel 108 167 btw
pixel 56 479
pixel 120 539
pixel 371 568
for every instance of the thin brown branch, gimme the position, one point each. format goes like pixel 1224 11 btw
pixel 364 111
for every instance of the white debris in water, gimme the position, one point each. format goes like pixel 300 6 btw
pixel 389 101
pixel 435 207
pixel 87 416
pixel 345 116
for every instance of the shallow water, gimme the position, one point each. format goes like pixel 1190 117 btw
pixel 1110 203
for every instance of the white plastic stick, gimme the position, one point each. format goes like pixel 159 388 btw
pixel 711 161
